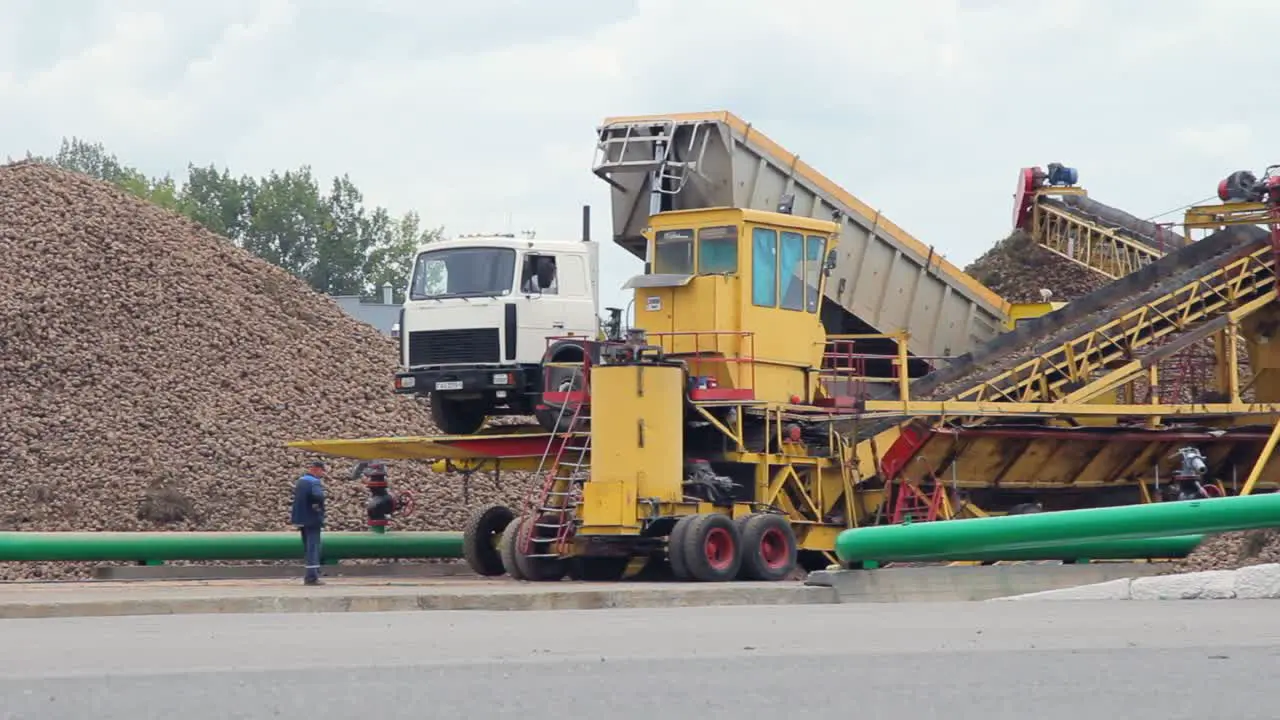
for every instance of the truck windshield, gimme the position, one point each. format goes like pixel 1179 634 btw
pixel 463 272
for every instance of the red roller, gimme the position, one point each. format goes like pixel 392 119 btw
pixel 1028 180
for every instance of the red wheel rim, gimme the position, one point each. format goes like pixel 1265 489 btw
pixel 718 548
pixel 774 548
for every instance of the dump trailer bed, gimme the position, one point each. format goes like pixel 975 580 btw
pixel 886 281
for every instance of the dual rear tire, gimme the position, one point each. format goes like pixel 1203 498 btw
pixel 716 548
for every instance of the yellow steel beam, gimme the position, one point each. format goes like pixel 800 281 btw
pixel 1088 244
pixel 1263 457
pixel 1131 370
pixel 1248 281
pixel 1213 217
pixel 966 409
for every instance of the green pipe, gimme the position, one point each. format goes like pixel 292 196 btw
pixel 143 546
pixel 995 535
pixel 1178 546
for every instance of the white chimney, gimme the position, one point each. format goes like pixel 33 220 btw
pixel 387 296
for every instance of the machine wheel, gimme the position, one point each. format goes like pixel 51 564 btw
pixel 1026 508
pixel 508 548
pixel 675 547
pixel 481 538
pixel 711 548
pixel 536 569
pixel 598 569
pixel 769 548
pixel 456 417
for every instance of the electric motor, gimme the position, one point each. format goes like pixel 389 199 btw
pixel 1239 186
pixel 1061 175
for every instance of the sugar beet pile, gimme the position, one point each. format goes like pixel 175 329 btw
pixel 151 372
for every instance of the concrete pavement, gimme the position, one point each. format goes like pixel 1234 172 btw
pixel 959 661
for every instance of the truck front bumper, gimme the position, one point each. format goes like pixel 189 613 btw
pixel 474 380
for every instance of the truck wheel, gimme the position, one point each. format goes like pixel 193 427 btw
pixel 481 537
pixel 711 548
pixel 456 417
pixel 569 377
pixel 769 547
pixel 556 418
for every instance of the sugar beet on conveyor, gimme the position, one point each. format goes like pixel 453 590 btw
pixel 1121 222
pixel 1176 270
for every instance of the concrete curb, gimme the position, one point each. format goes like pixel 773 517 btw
pixel 404 599
pixel 964 584
pixel 1256 582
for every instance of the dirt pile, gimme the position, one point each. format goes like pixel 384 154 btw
pixel 151 372
pixel 1016 268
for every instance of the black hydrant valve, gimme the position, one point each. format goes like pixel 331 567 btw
pixel 382 503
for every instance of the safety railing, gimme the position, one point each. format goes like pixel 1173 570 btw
pixel 708 366
pixel 707 353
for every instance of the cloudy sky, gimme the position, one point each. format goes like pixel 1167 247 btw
pixel 481 114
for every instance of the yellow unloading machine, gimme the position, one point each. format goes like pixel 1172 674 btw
pixel 730 435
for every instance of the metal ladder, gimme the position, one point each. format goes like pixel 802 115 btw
pixel 554 509
pixel 653 145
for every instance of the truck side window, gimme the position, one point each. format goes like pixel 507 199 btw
pixel 539 275
pixel 764 267
pixel 673 252
pixel 718 250
pixel 791 270
pixel 815 254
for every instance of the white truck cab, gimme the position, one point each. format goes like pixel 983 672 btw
pixel 481 314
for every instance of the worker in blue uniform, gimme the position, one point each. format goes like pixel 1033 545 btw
pixel 308 516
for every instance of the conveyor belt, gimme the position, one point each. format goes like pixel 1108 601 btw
pixel 1118 220
pixel 1171 295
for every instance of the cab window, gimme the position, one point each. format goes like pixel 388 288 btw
pixel 791 270
pixel 764 267
pixel 718 250
pixel 539 275
pixel 673 252
pixel 815 255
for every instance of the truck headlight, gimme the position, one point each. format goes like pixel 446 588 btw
pixel 502 379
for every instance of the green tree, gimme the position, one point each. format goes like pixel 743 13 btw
pixel 286 220
pixel 344 243
pixel 220 202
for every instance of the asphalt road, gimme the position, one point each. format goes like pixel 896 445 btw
pixel 1132 660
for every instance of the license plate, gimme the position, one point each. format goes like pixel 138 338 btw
pixel 449 385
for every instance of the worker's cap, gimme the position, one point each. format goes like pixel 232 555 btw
pixel 318 463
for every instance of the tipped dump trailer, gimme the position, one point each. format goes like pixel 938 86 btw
pixel 885 280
